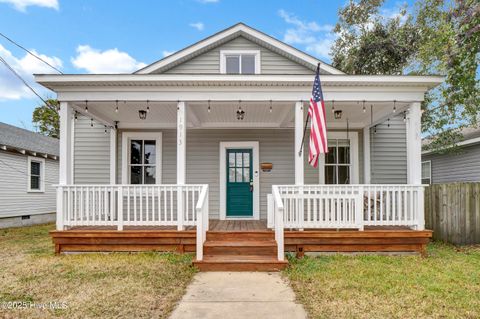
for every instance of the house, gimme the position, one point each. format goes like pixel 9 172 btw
pixel 200 152
pixel 459 166
pixel 29 168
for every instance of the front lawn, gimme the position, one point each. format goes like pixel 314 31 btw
pixel 140 285
pixel 444 285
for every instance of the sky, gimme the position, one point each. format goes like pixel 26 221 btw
pixel 88 36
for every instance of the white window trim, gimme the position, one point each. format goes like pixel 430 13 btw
pixel 254 145
pixel 126 138
pixel 354 167
pixel 42 174
pixel 429 171
pixel 224 53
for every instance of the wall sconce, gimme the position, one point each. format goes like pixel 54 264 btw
pixel 337 114
pixel 240 112
pixel 266 167
pixel 142 114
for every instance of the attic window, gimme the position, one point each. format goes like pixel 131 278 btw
pixel 240 62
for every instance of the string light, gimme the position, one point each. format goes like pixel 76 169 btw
pixel 148 107
pixel 209 108
pixel 375 129
pixel 271 109
pixel 76 116
pixel 105 129
pixel 116 106
pixel 394 106
pixel 388 122
pixel 86 106
pixel 404 116
pixel 91 122
pixel 364 109
pixel 333 106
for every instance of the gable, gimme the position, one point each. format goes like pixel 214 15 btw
pixel 209 62
pixel 280 58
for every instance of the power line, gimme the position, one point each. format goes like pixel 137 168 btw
pixel 26 173
pixel 31 53
pixel 25 82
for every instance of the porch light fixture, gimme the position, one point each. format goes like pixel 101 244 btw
pixel 209 108
pixel 271 109
pixel 364 108
pixel 148 106
pixel 86 106
pixel 394 106
pixel 142 114
pixel 240 112
pixel 337 114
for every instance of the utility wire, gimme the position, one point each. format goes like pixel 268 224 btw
pixel 30 52
pixel 26 173
pixel 25 82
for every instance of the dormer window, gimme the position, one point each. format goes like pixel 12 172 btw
pixel 240 62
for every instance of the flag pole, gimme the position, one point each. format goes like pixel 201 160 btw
pixel 306 123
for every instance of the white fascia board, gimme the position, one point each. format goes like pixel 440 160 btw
pixel 462 143
pixel 212 40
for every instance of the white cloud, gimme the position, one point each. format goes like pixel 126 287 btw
pixel 198 25
pixel 108 61
pixel 316 38
pixel 21 5
pixel 26 66
pixel 208 1
pixel 167 53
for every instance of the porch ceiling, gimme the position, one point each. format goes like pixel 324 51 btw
pixel 223 113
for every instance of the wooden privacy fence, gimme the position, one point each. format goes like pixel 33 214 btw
pixel 452 211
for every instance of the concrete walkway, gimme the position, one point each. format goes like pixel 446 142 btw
pixel 235 295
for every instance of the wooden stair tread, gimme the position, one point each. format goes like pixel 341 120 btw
pixel 240 243
pixel 241 259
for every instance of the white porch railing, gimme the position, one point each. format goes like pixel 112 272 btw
pixel 348 206
pixel 128 205
pixel 202 221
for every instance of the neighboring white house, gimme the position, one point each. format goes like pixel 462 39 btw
pixel 462 165
pixel 29 169
pixel 215 131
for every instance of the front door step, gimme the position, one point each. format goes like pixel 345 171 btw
pixel 240 251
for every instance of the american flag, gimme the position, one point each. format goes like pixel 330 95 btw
pixel 318 126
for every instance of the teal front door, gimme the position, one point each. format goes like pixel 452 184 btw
pixel 239 183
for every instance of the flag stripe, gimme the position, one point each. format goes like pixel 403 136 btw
pixel 318 126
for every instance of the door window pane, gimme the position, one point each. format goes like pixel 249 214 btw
pixel 238 174
pixel 136 152
pixel 149 177
pixel 231 175
pixel 149 152
pixel 239 160
pixel 231 159
pixel 248 64
pixel 246 159
pixel 246 174
pixel 343 174
pixel 136 174
pixel 232 64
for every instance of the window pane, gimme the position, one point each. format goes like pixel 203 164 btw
pixel 344 155
pixel 246 159
pixel 136 152
pixel 231 159
pixel 35 168
pixel 150 152
pixel 343 174
pixel 135 175
pixel 426 169
pixel 248 64
pixel 231 175
pixel 149 177
pixel 425 180
pixel 239 160
pixel 330 177
pixel 35 182
pixel 331 156
pixel 246 174
pixel 232 64
pixel 239 174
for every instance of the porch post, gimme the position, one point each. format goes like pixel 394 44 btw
pixel 113 156
pixel 414 145
pixel 65 173
pixel 181 160
pixel 366 155
pixel 299 158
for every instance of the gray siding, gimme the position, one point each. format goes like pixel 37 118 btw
pixel 14 198
pixel 461 167
pixel 388 153
pixel 91 154
pixel 271 62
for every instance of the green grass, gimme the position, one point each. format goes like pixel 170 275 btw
pixel 444 285
pixel 140 285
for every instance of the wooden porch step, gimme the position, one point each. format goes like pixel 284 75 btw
pixel 239 235
pixel 240 263
pixel 244 247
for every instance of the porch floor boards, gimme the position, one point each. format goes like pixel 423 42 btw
pixel 226 234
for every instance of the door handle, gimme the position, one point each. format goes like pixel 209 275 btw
pixel 251 185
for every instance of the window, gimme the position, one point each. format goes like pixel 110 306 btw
pixel 36 174
pixel 142 158
pixel 427 172
pixel 240 62
pixel 337 162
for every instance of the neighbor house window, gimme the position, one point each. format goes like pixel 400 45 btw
pixel 240 62
pixel 426 172
pixel 142 154
pixel 337 162
pixel 36 174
